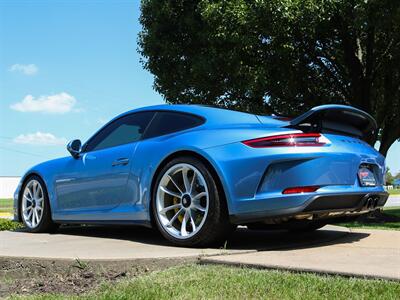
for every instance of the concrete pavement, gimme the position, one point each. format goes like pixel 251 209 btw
pixel 99 243
pixel 376 255
pixel 332 249
pixel 93 244
pixel 393 201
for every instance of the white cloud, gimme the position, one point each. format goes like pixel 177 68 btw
pixel 55 104
pixel 29 70
pixel 40 138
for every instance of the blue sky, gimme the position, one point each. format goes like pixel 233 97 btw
pixel 87 64
pixel 66 67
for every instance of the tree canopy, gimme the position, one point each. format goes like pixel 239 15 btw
pixel 277 56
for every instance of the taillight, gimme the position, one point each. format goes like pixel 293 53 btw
pixel 300 189
pixel 289 140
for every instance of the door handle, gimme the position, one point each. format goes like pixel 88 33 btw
pixel 120 161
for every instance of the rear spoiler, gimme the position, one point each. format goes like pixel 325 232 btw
pixel 340 119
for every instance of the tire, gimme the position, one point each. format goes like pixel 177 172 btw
pixel 41 221
pixel 187 224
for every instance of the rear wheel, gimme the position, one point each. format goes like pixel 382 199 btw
pixel 187 206
pixel 35 206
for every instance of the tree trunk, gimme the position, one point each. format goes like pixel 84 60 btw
pixel 389 135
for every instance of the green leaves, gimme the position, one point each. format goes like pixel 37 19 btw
pixel 282 56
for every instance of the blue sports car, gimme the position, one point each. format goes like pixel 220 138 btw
pixel 195 172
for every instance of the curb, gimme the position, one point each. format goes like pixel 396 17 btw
pixel 210 261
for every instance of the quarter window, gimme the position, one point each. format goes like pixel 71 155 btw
pixel 169 122
pixel 125 130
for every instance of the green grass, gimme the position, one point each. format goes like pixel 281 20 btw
pixel 6 224
pixel 390 211
pixel 385 226
pixel 221 282
pixel 394 211
pixel 6 205
pixel 394 192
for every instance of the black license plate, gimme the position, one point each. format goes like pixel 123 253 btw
pixel 366 177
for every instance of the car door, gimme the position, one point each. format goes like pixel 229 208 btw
pixel 97 180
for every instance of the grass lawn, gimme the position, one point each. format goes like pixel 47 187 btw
pixel 6 206
pixel 221 282
pixel 6 224
pixel 394 211
pixel 389 219
pixel 394 192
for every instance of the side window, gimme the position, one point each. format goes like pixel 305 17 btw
pixel 124 130
pixel 168 122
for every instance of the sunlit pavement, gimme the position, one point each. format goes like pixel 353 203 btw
pixel 393 201
pixel 362 253
pixel 332 249
pixel 6 216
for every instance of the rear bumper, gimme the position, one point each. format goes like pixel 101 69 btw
pixel 320 204
pixel 254 178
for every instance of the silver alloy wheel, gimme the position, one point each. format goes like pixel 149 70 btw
pixel 33 204
pixel 182 201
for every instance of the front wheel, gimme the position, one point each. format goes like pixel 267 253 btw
pixel 35 206
pixel 189 209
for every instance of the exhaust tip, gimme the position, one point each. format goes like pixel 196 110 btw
pixel 369 202
pixel 376 202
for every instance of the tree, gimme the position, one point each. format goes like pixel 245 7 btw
pixel 277 56
pixel 389 177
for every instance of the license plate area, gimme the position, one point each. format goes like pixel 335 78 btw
pixel 366 176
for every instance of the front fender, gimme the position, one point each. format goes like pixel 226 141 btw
pixel 46 172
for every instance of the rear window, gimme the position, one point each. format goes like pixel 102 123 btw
pixel 169 122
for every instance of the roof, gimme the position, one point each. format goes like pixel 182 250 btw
pixel 213 115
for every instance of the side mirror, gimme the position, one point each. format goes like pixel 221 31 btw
pixel 74 147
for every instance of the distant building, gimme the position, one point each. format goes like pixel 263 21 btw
pixel 8 185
